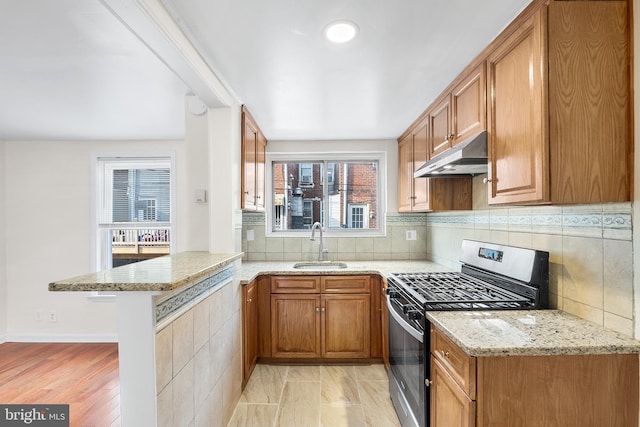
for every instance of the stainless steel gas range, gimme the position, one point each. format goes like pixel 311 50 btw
pixel 492 277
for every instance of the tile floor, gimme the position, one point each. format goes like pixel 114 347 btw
pixel 309 396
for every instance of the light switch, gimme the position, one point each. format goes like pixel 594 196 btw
pixel 201 195
pixel 412 235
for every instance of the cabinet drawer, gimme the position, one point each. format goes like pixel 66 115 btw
pixel 456 362
pixel 346 284
pixel 297 284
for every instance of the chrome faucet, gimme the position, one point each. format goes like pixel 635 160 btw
pixel 321 250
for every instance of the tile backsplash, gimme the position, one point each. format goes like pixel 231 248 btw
pixel 590 249
pixel 590 246
pixel 393 246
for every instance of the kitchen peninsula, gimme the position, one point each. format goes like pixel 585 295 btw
pixel 159 302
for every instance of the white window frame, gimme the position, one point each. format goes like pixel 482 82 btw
pixel 103 165
pixel 380 209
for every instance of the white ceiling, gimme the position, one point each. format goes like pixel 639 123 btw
pixel 69 69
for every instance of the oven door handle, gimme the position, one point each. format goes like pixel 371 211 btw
pixel 416 333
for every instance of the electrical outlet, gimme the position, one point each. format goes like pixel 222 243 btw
pixel 250 235
pixel 52 316
pixel 412 235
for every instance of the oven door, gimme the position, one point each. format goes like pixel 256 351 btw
pixel 407 367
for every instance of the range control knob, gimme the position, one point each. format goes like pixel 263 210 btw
pixel 392 293
pixel 415 315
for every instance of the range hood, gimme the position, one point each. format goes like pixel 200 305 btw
pixel 468 157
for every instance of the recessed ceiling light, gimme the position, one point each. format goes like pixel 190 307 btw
pixel 341 31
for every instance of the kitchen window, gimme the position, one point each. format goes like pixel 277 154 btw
pixel 342 192
pixel 134 210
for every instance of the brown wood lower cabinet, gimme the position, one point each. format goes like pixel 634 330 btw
pixel 313 318
pixel 527 391
pixel 333 323
pixel 249 330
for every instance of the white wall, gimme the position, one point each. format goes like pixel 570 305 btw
pixel 194 234
pixel 49 232
pixel 3 240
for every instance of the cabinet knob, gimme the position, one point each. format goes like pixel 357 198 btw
pixel 258 196
pixel 317 308
pixel 427 382
pixel 249 300
pixel 486 180
pixel 445 353
pixel 246 192
pixel 450 137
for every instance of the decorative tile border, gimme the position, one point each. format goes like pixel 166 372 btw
pixel 610 221
pixel 253 218
pixel 176 302
pixel 407 219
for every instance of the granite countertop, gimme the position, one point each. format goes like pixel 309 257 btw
pixel 528 333
pixel 253 269
pixel 158 274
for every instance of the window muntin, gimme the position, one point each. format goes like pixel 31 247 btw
pixel 301 198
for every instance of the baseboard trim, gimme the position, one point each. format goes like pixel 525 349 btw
pixel 63 338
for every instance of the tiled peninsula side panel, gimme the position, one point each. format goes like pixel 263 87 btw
pixel 590 247
pixel 393 246
pixel 198 357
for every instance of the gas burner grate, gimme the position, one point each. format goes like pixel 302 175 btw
pixel 456 291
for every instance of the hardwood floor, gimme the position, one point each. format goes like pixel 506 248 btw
pixel 85 376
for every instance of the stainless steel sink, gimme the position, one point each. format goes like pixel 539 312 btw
pixel 319 265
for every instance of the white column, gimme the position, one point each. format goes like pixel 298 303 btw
pixel 137 358
pixel 224 177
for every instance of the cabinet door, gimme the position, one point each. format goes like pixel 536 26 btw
pixel 420 201
pixel 261 154
pixel 249 330
pixel 468 101
pixel 440 127
pixel 450 406
pixel 405 174
pixel 295 325
pixel 518 130
pixel 249 144
pixel 346 329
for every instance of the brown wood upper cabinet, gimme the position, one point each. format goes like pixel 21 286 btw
pixel 459 113
pixel 422 194
pixel 254 146
pixel 559 110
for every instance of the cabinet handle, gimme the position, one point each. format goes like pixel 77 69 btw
pixel 412 197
